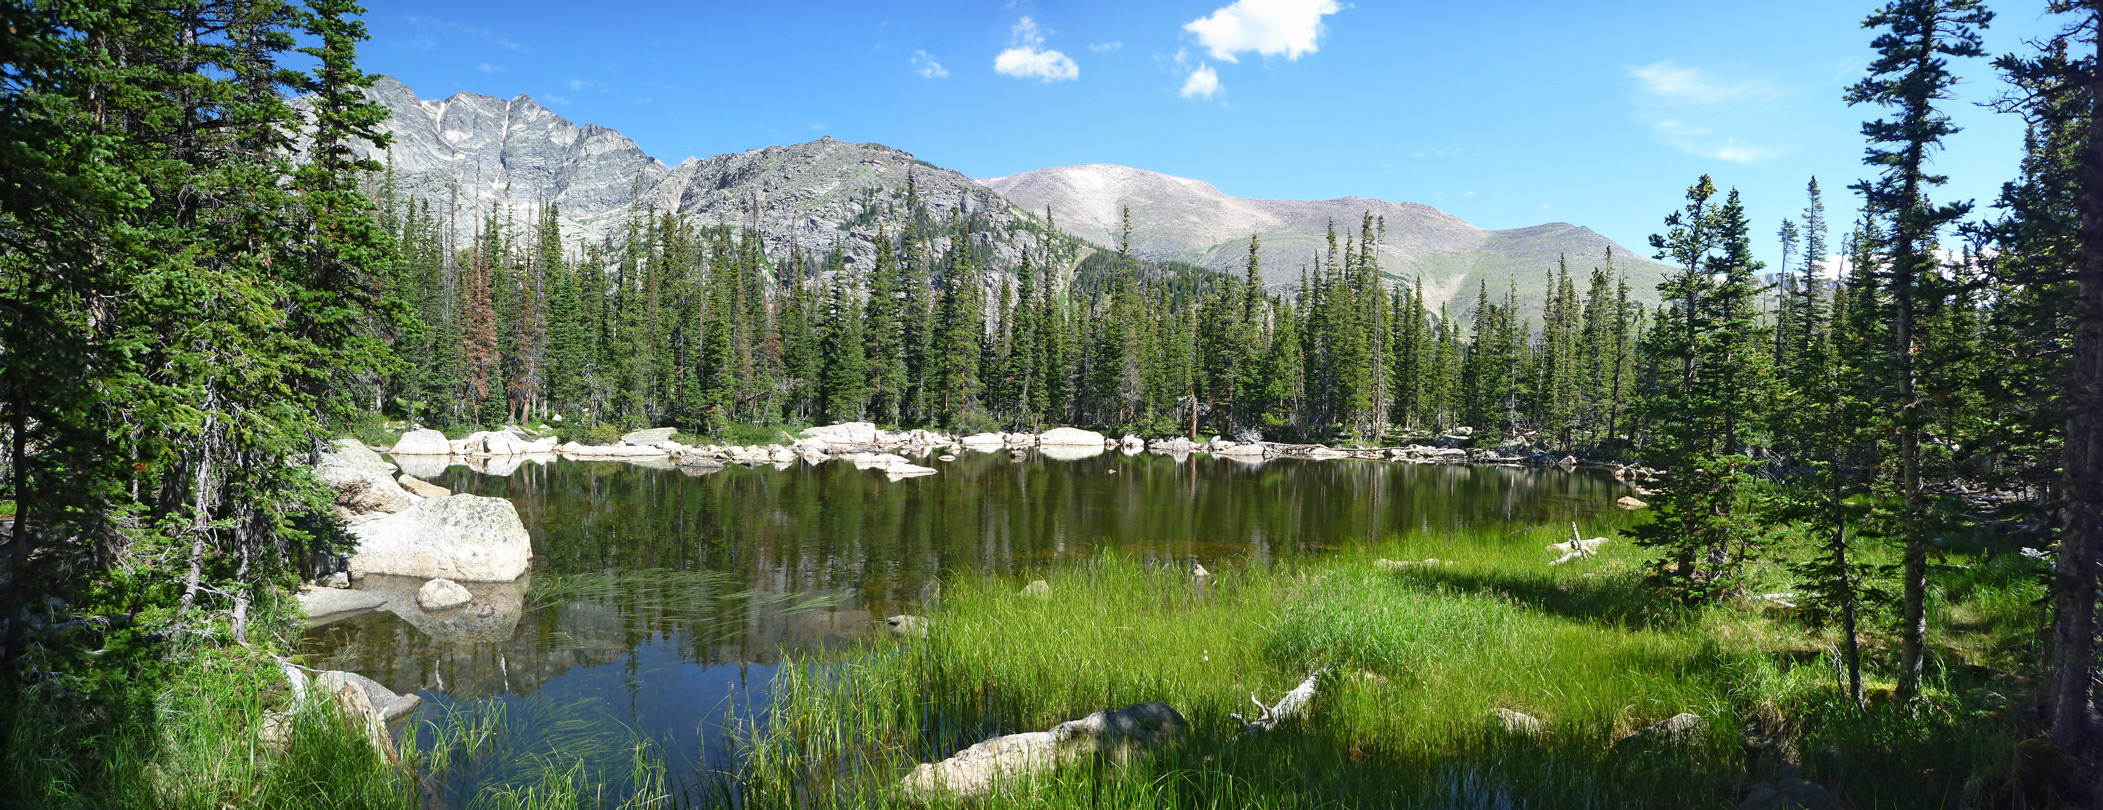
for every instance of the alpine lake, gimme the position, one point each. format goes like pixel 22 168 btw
pixel 661 602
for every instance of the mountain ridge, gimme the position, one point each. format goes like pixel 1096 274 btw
pixel 478 155
pixel 1183 219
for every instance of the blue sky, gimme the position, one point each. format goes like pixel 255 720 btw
pixel 1506 114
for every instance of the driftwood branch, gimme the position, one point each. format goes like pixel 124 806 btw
pixel 1291 705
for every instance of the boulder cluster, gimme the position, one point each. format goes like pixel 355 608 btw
pixel 895 452
pixel 409 527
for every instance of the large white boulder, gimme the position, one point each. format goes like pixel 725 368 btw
pixel 425 442
pixel 466 538
pixel 363 483
pixel 844 433
pixel 985 442
pixel 1070 437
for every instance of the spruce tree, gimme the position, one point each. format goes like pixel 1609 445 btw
pixel 1910 76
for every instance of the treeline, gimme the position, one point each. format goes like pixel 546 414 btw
pixel 697 326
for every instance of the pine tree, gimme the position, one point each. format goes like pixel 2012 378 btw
pixel 1910 75
pixel 843 352
pixel 2052 242
pixel 1708 336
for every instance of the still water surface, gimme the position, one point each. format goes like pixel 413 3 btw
pixel 660 602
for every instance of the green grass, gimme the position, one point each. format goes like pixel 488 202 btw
pixel 742 435
pixel 1418 657
pixel 191 743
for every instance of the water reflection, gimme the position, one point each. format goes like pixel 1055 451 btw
pixel 655 592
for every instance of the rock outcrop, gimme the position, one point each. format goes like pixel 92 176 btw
pixel 363 483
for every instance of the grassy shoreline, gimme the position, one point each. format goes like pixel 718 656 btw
pixel 1419 654
pixel 1422 655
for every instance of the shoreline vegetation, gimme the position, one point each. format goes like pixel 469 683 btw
pixel 1868 574
pixel 1417 660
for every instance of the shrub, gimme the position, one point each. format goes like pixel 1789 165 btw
pixel 602 433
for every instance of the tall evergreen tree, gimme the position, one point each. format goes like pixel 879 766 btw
pixel 1911 76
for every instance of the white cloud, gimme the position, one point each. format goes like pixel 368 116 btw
pixel 1026 58
pixel 486 67
pixel 483 35
pixel 1684 85
pixel 1694 111
pixel 924 64
pixel 557 99
pixel 1203 83
pixel 1266 27
pixel 1105 47
pixel 585 84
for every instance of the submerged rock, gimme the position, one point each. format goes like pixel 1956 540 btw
pixel 1003 761
pixel 439 594
pixel 461 537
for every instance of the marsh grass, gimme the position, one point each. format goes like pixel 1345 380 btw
pixel 1418 658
